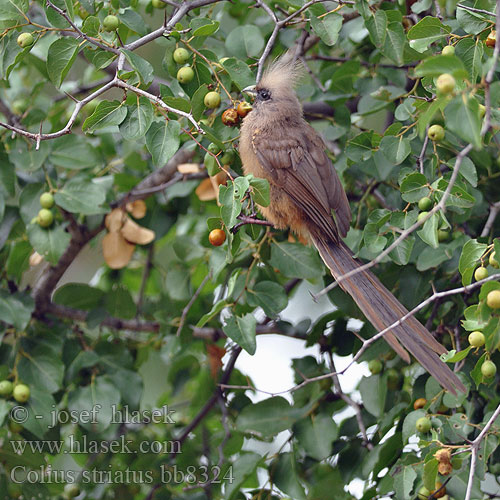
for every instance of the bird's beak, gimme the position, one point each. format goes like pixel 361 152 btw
pixel 251 90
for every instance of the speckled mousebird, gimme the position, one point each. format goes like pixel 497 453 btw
pixel 307 196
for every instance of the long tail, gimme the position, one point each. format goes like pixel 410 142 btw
pixel 383 309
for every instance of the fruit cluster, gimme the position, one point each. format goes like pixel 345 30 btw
pixel 45 217
pixel 20 392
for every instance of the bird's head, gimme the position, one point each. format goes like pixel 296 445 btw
pixel 275 89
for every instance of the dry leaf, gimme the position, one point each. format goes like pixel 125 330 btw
pixel 134 233
pixel 205 190
pixel 137 208
pixel 445 468
pixel 188 168
pixel 215 355
pixel 114 220
pixel 35 259
pixel 116 250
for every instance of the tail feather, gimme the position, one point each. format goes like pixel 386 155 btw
pixel 383 309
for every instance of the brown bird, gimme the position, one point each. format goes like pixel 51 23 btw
pixel 306 195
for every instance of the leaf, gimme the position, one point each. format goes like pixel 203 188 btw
pixel 395 149
pixel 428 30
pixel 204 27
pixel 430 474
pixel 16 309
pixel 374 391
pixel 284 474
pixel 269 295
pixel 295 260
pixel 429 232
pixel 60 57
pixel 403 482
pixel 437 65
pixel 78 296
pixel 471 52
pixel 472 22
pixel 162 141
pixel 74 152
pixel 230 197
pixel 139 118
pixel 239 72
pixel 50 243
pixel 241 329
pixel 260 190
pixel 454 357
pixel 316 435
pixel 467 170
pixel 376 25
pixel 245 41
pixel 82 196
pixel 242 468
pixel 327 27
pixel 142 67
pixel 360 147
pixel 471 253
pixel 13 10
pixel 119 303
pixel 134 21
pixel 91 26
pixel 107 114
pixel 413 187
pixel 41 370
pixel 269 417
pixel 216 309
pixel 395 43
pixel 462 118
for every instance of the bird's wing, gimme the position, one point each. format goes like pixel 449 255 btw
pixel 299 165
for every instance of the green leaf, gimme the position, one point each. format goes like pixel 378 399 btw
pixel 374 391
pixel 230 197
pixel 360 147
pixel 42 370
pixel 197 102
pixel 78 296
pixel 395 43
pixel 13 10
pixel 471 52
pixel 413 187
pixel 16 309
pixel 454 357
pixel 430 474
pixel 467 170
pixel 295 260
pixel 60 57
pixel 139 118
pixel 395 149
pixel 239 72
pixel 204 27
pixel 462 118
pixel 402 253
pixel 316 435
pixel 471 253
pixel 50 243
pixel 142 67
pixel 74 152
pixel 458 196
pixel 119 303
pixel 216 309
pixel 107 114
pixel 91 26
pixel 245 41
pixel 437 65
pixel 327 27
pixel 242 468
pixel 162 141
pixel 241 329
pixel 284 474
pixel 429 232
pixel 410 422
pixel 428 30
pixel 260 190
pixel 472 22
pixel 134 21
pixel 269 295
pixel 82 196
pixel 54 18
pixel 269 417
pixel 403 482
pixel 376 25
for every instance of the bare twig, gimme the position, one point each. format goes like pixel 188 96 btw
pixel 494 209
pixel 185 311
pixel 420 159
pixel 479 11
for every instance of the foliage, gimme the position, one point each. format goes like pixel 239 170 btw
pixel 102 330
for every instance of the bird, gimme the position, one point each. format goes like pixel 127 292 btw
pixel 307 197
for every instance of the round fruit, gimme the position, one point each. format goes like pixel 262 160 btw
pixel 476 339
pixel 45 218
pixel 423 425
pixel 25 40
pixel 217 237
pixel 181 55
pixel 425 203
pixel 227 158
pixel 214 149
pixel 419 403
pixel 14 427
pixel 157 4
pixel 445 84
pixel 423 493
pixel 493 299
pixel 47 200
pixel 482 110
pixel 110 23
pixel 435 133
pixel 230 117
pixel 375 366
pixel 443 235
pixel 491 40
pixel 449 50
pixel 422 215
pixel 493 262
pixel 480 273
pixel 488 369
pixel 185 75
pixel 71 490
pixel 6 388
pixel 212 100
pixel 243 109
pixel 21 393
pixel 440 490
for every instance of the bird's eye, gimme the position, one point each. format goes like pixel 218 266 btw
pixel 264 94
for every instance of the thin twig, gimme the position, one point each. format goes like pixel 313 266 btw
pixel 494 209
pixel 420 159
pixel 473 9
pixel 185 311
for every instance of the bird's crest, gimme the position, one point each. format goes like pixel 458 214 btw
pixel 284 72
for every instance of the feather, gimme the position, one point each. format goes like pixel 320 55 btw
pixel 283 73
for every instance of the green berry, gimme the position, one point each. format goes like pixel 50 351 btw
pixel 445 84
pixel 476 339
pixel 435 133
pixel 212 100
pixel 493 299
pixel 110 23
pixel 449 50
pixel 482 110
pixel 185 75
pixel 422 215
pixel 6 387
pixel 493 262
pixel 480 273
pixel 488 369
pixel 213 148
pixel 71 490
pixel 46 200
pixel 423 493
pixel 25 40
pixel 21 393
pixel 181 55
pixel 443 235
pixel 14 427
pixel 158 4
pixel 423 425
pixel 45 218
pixel 425 203
pixel 375 366
pixel 227 158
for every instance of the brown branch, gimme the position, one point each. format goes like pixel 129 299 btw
pixel 494 209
